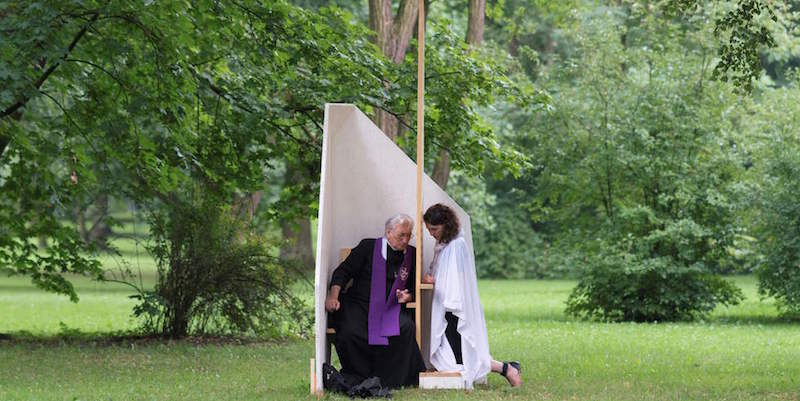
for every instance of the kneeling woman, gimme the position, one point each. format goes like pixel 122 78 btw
pixel 458 329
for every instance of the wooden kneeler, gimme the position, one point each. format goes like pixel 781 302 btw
pixel 441 380
pixel 433 379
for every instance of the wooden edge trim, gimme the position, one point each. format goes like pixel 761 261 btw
pixel 313 377
pixel 440 374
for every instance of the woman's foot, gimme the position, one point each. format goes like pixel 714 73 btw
pixel 513 373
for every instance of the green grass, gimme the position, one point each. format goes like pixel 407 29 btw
pixel 739 353
pixel 103 306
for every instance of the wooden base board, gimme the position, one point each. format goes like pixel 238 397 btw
pixel 441 380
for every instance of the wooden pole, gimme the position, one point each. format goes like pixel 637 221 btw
pixel 420 156
pixel 313 377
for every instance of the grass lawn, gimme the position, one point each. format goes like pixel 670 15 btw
pixel 739 353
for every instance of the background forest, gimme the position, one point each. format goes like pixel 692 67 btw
pixel 644 148
pixel 631 169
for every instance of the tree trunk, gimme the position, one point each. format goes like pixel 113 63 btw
pixel 296 245
pixel 475 22
pixel 441 168
pixel 245 206
pixel 296 232
pixel 392 36
pixel 80 220
pixel 100 230
pixel 4 141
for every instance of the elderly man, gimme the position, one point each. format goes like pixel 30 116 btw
pixel 375 334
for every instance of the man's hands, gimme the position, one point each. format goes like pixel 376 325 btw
pixel 332 301
pixel 331 304
pixel 403 296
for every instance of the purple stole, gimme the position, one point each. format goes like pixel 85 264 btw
pixel 384 314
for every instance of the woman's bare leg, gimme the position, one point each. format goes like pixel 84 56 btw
pixel 512 374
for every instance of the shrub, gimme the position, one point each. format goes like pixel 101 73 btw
pixel 215 277
pixel 625 287
pixel 779 275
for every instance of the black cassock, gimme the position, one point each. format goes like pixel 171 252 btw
pixel 397 364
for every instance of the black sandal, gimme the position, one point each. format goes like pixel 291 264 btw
pixel 516 366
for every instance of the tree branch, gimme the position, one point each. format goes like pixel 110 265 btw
pixel 69 118
pixel 232 101
pixel 4 141
pixel 114 77
pixel 38 84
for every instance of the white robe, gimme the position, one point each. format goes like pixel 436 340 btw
pixel 456 291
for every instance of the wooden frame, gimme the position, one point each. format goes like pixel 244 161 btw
pixel 360 166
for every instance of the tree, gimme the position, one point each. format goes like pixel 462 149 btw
pixel 748 34
pixel 637 161
pixel 138 92
pixel 475 22
pixel 392 35
pixel 773 187
pixel 142 103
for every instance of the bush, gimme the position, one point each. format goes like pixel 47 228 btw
pixel 779 275
pixel 510 249
pixel 215 277
pixel 624 287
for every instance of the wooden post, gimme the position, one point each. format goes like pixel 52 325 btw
pixel 420 155
pixel 313 377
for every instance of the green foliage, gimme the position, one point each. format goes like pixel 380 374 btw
pixel 139 101
pixel 747 37
pixel 778 222
pixel 505 245
pixel 638 153
pixel 461 81
pixel 36 195
pixel 626 287
pixel 747 29
pixel 214 277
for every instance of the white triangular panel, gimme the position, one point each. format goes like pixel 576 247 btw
pixel 365 179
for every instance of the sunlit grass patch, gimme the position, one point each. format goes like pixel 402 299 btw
pixel 739 352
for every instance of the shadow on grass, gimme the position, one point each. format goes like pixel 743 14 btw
pixel 752 320
pixel 75 337
pixel 109 288
pixel 512 315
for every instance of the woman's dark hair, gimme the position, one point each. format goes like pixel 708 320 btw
pixel 441 215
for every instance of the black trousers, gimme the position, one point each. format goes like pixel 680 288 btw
pixel 397 364
pixel 453 337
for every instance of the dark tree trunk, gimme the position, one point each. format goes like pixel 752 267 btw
pixel 392 35
pixel 441 168
pixel 296 231
pixel 100 230
pixel 245 206
pixel 475 22
pixel 296 246
pixel 4 141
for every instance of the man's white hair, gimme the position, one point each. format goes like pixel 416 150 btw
pixel 399 219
